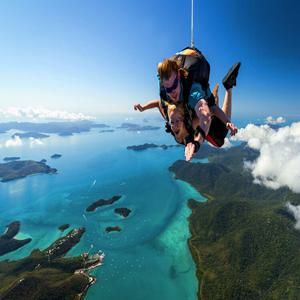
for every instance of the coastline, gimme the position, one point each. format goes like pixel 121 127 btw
pixel 195 253
pixel 192 194
pixel 243 242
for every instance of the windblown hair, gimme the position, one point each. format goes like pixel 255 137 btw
pixel 167 66
pixel 173 107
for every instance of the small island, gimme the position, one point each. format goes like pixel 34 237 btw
pixel 56 156
pixel 11 158
pixel 7 241
pixel 43 160
pixel 149 146
pixel 106 130
pixel 67 133
pixel 27 135
pixel 60 128
pixel 136 127
pixel 102 202
pixel 20 169
pixel 48 274
pixel 63 227
pixel 123 211
pixel 112 228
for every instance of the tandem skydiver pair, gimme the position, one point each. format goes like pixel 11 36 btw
pixel 190 109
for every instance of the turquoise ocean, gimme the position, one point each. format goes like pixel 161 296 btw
pixel 149 258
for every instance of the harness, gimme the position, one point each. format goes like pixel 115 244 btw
pixel 192 61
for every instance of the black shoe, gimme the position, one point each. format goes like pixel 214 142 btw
pixel 230 79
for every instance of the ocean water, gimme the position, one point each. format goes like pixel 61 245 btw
pixel 149 258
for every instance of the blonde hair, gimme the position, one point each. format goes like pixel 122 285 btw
pixel 173 107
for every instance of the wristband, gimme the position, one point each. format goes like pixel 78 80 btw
pixel 197 146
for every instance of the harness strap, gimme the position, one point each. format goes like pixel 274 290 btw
pixel 201 131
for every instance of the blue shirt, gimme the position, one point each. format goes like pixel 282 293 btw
pixel 197 93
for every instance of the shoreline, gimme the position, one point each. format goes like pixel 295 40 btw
pixel 92 279
pixel 195 254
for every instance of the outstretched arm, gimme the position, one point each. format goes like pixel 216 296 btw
pixel 149 105
pixel 192 145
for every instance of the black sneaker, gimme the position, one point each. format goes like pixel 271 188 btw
pixel 230 79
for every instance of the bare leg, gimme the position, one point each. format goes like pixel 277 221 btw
pixel 215 93
pixel 227 103
pixel 203 114
pixel 224 114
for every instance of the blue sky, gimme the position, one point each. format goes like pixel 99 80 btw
pixel 100 57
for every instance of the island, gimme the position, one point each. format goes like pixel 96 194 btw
pixel 43 160
pixel 112 228
pixel 27 135
pixel 243 239
pixel 7 241
pixel 106 130
pixel 136 127
pixel 63 227
pixel 149 146
pixel 123 211
pixel 102 202
pixel 22 168
pixel 11 158
pixel 56 156
pixel 48 274
pixel 60 128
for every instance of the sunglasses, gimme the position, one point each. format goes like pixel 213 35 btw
pixel 170 89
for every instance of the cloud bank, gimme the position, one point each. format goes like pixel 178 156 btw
pixel 278 164
pixel 18 142
pixel 40 113
pixel 14 142
pixel 271 120
pixel 295 210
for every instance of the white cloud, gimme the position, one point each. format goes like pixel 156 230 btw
pixel 295 210
pixel 40 113
pixel 278 164
pixel 14 142
pixel 271 120
pixel 18 142
pixel 35 142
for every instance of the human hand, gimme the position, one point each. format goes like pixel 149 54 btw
pixel 138 107
pixel 232 128
pixel 189 151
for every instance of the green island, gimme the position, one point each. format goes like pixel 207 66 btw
pixel 122 211
pixel 63 227
pixel 7 241
pixel 22 168
pixel 48 274
pixel 243 239
pixel 112 228
pixel 102 202
pixel 148 146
